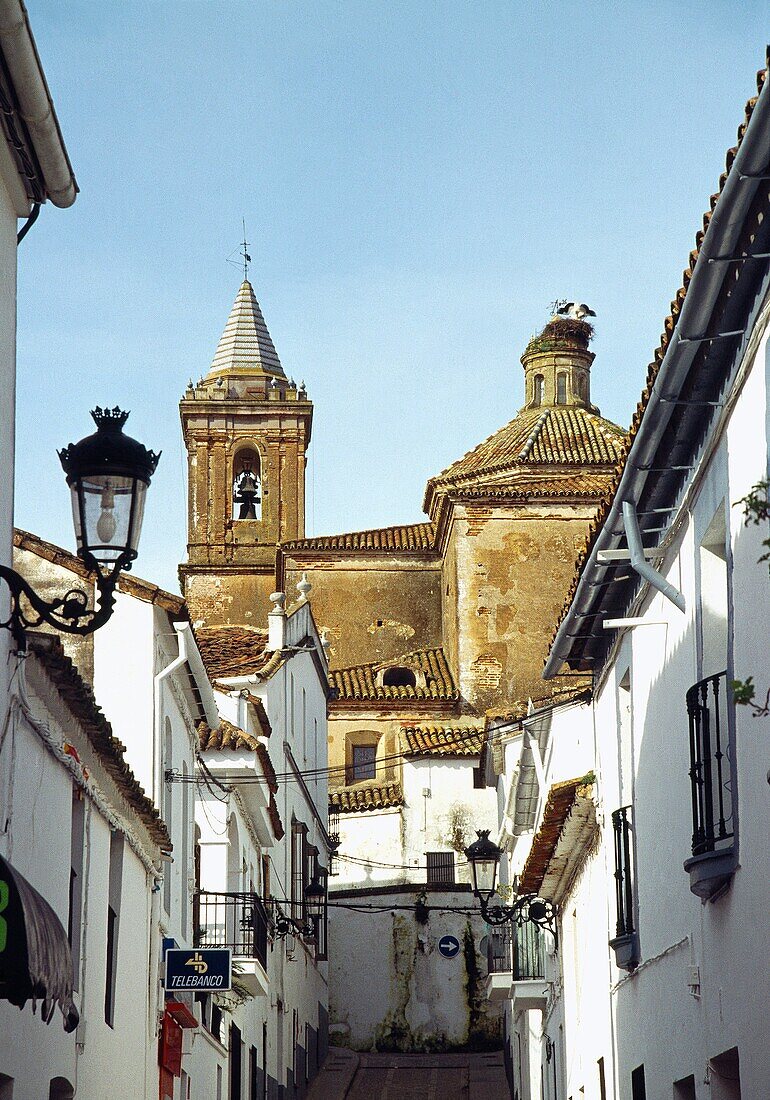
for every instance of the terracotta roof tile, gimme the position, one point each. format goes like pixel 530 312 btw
pixel 275 818
pixel 232 650
pixel 259 710
pixel 81 702
pixel 553 486
pixel 360 681
pixel 441 740
pixel 347 800
pixel 404 538
pixel 227 736
pixel 558 805
pixel 669 327
pixel 552 436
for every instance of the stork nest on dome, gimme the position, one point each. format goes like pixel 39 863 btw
pixel 561 332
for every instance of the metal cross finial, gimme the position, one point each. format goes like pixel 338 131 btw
pixel 245 254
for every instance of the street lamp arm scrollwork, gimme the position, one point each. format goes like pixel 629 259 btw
pixel 70 613
pixel 526 907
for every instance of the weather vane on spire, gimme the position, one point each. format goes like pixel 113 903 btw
pixel 245 254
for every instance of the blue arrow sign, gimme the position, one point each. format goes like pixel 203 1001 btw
pixel 449 946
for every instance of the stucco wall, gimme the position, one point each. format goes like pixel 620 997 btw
pixel 513 568
pixel 373 609
pixel 391 987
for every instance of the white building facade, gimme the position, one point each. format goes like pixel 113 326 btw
pixel 643 813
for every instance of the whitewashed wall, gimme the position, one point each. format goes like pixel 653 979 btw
pixel 30 1052
pixel 392 989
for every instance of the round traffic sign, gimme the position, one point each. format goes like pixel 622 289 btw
pixel 449 946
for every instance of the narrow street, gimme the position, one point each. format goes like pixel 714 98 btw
pixel 350 1076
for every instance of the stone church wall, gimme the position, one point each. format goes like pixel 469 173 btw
pixel 372 610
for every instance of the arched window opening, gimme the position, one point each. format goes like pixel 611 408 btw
pixel 561 389
pixel 538 387
pixel 60 1089
pixel 399 677
pixel 247 485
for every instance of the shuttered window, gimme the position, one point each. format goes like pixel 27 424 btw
pixel 441 868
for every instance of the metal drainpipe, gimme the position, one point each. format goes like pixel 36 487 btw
pixel 28 223
pixel 643 567
pixel 181 659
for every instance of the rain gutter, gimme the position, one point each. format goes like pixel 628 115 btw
pixel 748 171
pixel 35 104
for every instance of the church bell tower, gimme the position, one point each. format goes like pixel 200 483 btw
pixel 246 427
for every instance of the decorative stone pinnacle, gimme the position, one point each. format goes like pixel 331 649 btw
pixel 278 600
pixel 304 587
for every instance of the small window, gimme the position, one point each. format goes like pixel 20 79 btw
pixel 364 763
pixel 685 1089
pixel 60 1089
pixel 561 389
pixel 399 677
pixel 478 779
pixel 538 386
pixel 441 868
pixel 638 1087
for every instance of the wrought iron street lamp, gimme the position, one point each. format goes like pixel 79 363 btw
pixel 108 474
pixel 315 900
pixel 315 903
pixel 484 857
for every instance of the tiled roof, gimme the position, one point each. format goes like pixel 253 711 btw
pixel 275 818
pixel 80 701
pixel 558 805
pixel 360 681
pixel 227 736
pixel 552 486
pixel 131 585
pixel 232 650
pixel 348 800
pixel 557 435
pixel 245 344
pixel 669 327
pixel 411 536
pixel 441 741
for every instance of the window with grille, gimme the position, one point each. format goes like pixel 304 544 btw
pixel 441 868
pixel 364 765
pixel 299 862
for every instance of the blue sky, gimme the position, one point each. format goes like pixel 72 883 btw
pixel 418 180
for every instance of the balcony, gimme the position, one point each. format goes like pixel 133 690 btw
pixel 712 786
pixel 240 922
pixel 626 942
pixel 516 966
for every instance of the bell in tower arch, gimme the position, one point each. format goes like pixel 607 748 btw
pixel 246 487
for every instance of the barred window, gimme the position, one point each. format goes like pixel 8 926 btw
pixel 441 868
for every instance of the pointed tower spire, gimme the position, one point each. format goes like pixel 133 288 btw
pixel 246 347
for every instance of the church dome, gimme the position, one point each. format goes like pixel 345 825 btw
pixel 558 444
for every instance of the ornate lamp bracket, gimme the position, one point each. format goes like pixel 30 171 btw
pixel 526 907
pixel 70 613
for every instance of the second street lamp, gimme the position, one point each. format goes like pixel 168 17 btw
pixel 484 856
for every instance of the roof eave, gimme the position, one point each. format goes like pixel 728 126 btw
pixel 723 231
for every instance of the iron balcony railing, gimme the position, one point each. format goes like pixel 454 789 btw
pixel 710 752
pixel 624 890
pixel 517 950
pixel 237 921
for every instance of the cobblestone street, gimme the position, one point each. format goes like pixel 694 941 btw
pixel 406 1076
